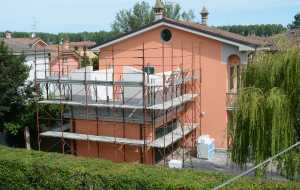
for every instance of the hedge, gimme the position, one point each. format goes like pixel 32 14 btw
pixel 22 169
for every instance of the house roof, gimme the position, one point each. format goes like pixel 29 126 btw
pixel 63 51
pixel 23 45
pixel 207 31
pixel 83 44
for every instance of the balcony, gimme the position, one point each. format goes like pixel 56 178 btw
pixel 230 100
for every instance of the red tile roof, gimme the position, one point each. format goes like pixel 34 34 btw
pixel 208 30
pixel 251 40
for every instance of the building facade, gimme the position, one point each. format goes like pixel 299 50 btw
pixel 158 89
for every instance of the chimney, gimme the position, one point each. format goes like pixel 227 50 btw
pixel 8 35
pixel 204 14
pixel 158 10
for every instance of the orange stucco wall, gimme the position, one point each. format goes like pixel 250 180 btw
pixel 114 152
pixel 181 48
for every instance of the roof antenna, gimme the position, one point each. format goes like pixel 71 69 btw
pixel 33 34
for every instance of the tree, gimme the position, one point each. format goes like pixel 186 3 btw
pixel 13 91
pixel 142 14
pixel 296 22
pixel 263 30
pixel 267 116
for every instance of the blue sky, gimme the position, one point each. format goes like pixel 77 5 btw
pixel 94 15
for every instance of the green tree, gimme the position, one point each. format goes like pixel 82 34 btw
pixel 296 22
pixel 267 115
pixel 18 102
pixel 13 90
pixel 263 30
pixel 142 14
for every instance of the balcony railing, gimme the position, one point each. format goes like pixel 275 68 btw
pixel 230 100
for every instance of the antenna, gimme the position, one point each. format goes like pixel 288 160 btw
pixel 34 25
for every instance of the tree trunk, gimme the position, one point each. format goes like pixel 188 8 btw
pixel 27 138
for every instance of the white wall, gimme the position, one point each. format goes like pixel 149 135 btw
pixel 42 65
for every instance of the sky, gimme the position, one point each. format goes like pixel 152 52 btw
pixel 94 15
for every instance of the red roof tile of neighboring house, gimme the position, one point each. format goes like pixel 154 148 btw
pixel 24 45
pixel 82 44
pixel 55 48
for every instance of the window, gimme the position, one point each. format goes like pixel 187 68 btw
pixel 234 73
pixel 164 130
pixel 149 70
pixel 166 35
pixel 234 77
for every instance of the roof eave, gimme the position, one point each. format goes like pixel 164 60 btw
pixel 243 46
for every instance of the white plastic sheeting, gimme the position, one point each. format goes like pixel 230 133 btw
pixel 98 92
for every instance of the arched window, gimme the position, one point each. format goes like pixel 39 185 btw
pixel 234 63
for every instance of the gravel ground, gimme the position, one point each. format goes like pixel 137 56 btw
pixel 219 163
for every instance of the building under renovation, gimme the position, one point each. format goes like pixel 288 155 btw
pixel 157 89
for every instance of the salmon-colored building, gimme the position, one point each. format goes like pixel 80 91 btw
pixel 166 84
pixel 63 59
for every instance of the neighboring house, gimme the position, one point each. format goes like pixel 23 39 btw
pixel 81 46
pixel 34 49
pixel 63 60
pixel 161 87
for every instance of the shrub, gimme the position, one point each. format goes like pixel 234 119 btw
pixel 21 169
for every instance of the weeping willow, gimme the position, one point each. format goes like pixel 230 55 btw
pixel 267 115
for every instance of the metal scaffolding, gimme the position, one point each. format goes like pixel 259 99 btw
pixel 162 96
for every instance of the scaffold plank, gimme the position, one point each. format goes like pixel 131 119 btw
pixel 91 82
pixel 73 103
pixel 162 106
pixel 93 138
pixel 173 102
pixel 173 136
pixel 161 142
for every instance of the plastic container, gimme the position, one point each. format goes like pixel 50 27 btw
pixel 205 147
pixel 175 164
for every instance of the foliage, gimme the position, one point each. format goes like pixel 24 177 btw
pixel 20 169
pixel 263 30
pixel 14 91
pixel 267 117
pixel 95 63
pixel 142 14
pixel 17 99
pixel 296 22
pixel 85 61
pixel 97 37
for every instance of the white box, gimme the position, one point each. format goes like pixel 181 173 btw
pixel 176 164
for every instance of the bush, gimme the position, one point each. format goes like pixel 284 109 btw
pixel 21 169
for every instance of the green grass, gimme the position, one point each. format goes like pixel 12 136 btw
pixel 21 169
